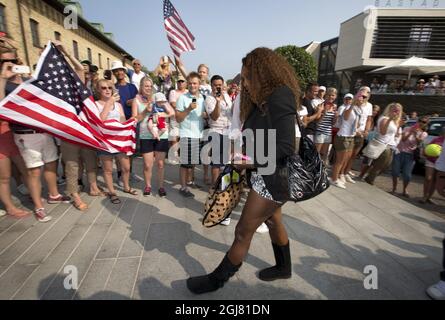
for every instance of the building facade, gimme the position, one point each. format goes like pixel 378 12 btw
pixel 29 24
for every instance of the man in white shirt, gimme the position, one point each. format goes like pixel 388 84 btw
pixel 136 75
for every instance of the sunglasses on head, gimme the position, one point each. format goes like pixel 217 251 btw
pixel 15 61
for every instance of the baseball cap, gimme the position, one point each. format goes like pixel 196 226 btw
pixel 322 88
pixel 160 97
pixel 349 95
pixel 181 78
pixel 88 62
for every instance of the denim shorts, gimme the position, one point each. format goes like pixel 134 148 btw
pixel 403 163
pixel 323 138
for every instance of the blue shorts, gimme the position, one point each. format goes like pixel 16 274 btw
pixel 403 163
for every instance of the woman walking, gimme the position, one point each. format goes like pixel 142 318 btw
pixel 270 95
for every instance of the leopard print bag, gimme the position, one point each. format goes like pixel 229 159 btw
pixel 220 204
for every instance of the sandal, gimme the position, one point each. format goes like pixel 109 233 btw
pixel 19 214
pixel 80 206
pixel 114 199
pixel 97 194
pixel 131 191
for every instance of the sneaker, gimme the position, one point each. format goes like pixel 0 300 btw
pixel 2 213
pixel 352 174
pixel 41 216
pixel 61 181
pixel 437 291
pixel 147 191
pixel 186 193
pixel 338 184
pixel 349 179
pixel 59 199
pixel 226 222
pixel 23 190
pixel 262 228
pixel 135 178
pixel 162 193
pixel 193 185
pixel 342 178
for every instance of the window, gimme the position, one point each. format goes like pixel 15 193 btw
pixel 76 49
pixel 419 39
pixel 35 33
pixel 2 19
pixel 108 63
pixel 100 60
pixel 90 55
pixel 57 36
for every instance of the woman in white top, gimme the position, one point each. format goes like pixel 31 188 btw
pixel 387 129
pixel 111 109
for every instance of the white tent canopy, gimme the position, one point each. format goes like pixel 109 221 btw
pixel 414 66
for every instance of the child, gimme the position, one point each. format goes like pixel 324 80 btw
pixel 157 125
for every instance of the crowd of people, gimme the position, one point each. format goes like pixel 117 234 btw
pixel 431 86
pixel 178 113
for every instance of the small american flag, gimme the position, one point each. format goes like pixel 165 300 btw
pixel 180 38
pixel 56 101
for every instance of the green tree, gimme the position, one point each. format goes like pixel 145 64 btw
pixel 302 62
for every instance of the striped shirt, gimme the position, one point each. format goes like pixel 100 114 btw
pixel 326 124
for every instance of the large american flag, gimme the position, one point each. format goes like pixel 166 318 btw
pixel 180 38
pixel 56 101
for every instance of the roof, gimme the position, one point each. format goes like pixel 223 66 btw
pixel 91 29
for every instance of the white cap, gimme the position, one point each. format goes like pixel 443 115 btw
pixel 160 97
pixel 115 65
pixel 322 88
pixel 349 95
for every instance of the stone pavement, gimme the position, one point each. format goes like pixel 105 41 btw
pixel 146 247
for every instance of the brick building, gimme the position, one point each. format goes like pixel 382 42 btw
pixel 29 24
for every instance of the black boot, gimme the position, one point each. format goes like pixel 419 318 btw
pixel 283 268
pixel 214 280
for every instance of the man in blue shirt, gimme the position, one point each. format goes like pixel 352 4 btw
pixel 189 115
pixel 127 91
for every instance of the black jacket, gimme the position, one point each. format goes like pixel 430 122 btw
pixel 280 114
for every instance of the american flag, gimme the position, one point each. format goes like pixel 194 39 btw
pixel 56 101
pixel 180 38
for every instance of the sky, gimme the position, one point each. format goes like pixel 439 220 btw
pixel 226 30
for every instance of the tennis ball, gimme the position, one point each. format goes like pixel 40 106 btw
pixel 433 150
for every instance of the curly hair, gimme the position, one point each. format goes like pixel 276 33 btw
pixel 267 71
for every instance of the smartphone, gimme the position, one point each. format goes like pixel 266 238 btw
pixel 194 100
pixel 21 69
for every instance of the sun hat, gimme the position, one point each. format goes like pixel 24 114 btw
pixel 115 65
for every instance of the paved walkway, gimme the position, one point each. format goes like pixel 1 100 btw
pixel 146 247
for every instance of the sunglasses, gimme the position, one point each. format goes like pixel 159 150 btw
pixel 365 97
pixel 424 122
pixel 15 61
pixel 105 88
pixel 136 64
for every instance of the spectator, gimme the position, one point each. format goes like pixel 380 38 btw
pixel 386 130
pixel 111 109
pixel 420 86
pixel 314 109
pixel 37 149
pixel 429 186
pixel 152 149
pixel 348 119
pixel 136 75
pixel 164 76
pixel 414 116
pixel 430 87
pixel 218 106
pixel 384 87
pixel 441 89
pixel 437 291
pixel 437 82
pixel 365 109
pixel 321 94
pixel 404 160
pixel 189 114
pixel 375 86
pixel 174 125
pixel 328 117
